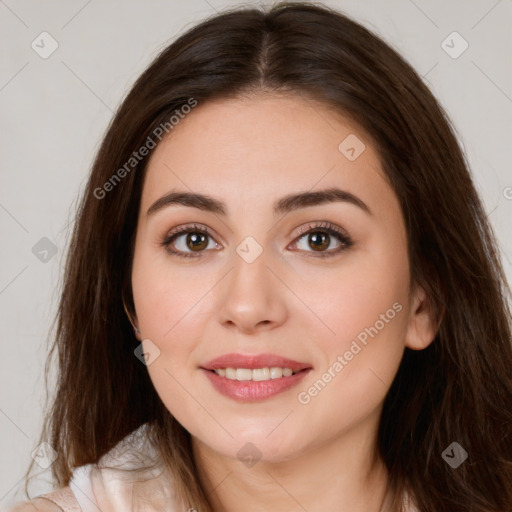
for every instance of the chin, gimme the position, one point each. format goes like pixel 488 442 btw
pixel 258 447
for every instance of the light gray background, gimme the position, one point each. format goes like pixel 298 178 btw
pixel 55 111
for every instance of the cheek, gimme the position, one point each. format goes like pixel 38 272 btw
pixel 167 304
pixel 360 306
pixel 359 361
pixel 364 310
pixel 362 303
pixel 353 297
pixel 164 296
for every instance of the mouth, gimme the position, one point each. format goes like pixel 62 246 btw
pixel 254 377
pixel 254 362
pixel 255 374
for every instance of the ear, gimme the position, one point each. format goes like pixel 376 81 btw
pixel 135 325
pixel 422 326
pixel 133 321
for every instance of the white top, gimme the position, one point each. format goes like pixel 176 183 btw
pixel 128 477
pixel 131 477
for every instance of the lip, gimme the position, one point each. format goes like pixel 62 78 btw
pixel 250 390
pixel 254 361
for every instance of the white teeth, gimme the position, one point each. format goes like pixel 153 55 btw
pixel 275 372
pixel 261 374
pixel 243 374
pixel 257 374
pixel 230 373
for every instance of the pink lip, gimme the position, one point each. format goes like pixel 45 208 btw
pixel 248 390
pixel 251 391
pixel 254 361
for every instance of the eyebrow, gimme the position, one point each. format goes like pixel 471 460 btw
pixel 284 205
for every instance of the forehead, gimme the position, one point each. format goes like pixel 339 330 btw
pixel 263 146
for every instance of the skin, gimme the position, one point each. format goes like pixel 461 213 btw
pixel 249 153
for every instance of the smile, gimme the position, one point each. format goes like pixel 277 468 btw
pixel 251 390
pixel 252 377
pixel 257 374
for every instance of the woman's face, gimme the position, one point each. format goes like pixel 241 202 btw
pixel 271 278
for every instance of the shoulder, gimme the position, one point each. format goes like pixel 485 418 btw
pixel 60 500
pixel 35 505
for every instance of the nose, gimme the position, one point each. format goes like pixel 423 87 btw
pixel 252 297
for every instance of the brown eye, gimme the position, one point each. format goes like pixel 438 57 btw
pixel 319 238
pixel 192 241
pixel 196 241
pixel 188 240
pixel 318 241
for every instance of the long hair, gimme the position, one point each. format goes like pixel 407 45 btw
pixel 459 389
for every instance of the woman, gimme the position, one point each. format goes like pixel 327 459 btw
pixel 282 292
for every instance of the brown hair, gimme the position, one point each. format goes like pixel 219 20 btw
pixel 458 389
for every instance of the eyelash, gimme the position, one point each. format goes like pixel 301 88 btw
pixel 324 227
